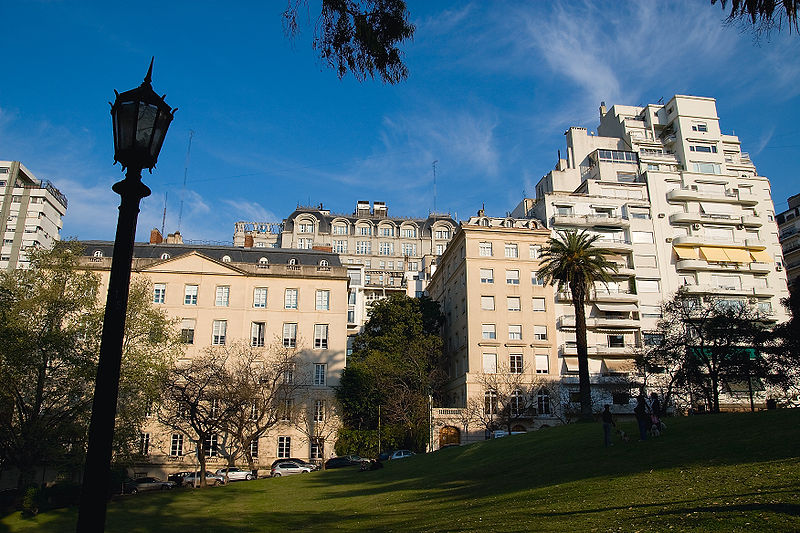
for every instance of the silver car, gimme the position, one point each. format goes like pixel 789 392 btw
pixel 287 468
pixel 211 479
pixel 143 484
pixel 235 473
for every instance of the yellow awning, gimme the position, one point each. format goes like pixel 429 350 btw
pixel 738 255
pixel 760 256
pixel 714 253
pixel 685 253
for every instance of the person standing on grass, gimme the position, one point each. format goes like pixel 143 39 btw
pixel 642 418
pixel 608 423
pixel 655 410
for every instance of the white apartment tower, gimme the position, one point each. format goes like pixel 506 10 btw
pixel 789 224
pixel 678 203
pixel 30 214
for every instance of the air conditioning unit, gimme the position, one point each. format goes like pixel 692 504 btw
pixel 695 226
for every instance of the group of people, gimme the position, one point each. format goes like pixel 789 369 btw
pixel 648 418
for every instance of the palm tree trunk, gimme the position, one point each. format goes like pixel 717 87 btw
pixel 578 301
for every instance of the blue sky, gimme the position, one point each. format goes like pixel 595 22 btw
pixel 493 87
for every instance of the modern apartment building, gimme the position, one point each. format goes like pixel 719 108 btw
pixel 383 254
pixel 30 214
pixel 262 297
pixel 678 203
pixel 499 323
pixel 789 227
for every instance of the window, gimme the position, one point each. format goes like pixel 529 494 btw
pixel 319 410
pixel 257 334
pixel 320 371
pixel 263 262
pixel 648 261
pixel 443 234
pixel 288 408
pixel 409 249
pixel 144 443
pixel 340 247
pixel 176 447
pixel 225 258
pixel 652 166
pixel 540 333
pixel 290 299
pixel 305 227
pixel 187 330
pixel 219 330
pixel 647 285
pixel 515 332
pixel 321 336
pixel 289 335
pixel 534 251
pixel 485 249
pixel 616 341
pixel 363 247
pixel 413 266
pixel 386 248
pixel 487 303
pixel 223 296
pixel 490 363
pixel 440 249
pixel 542 363
pixel 517 403
pixel 617 156
pixel 317 448
pixel 706 168
pixel 564 210
pixel 652 339
pixel 639 213
pixel 260 297
pixel 408 232
pixel 765 307
pixel 645 237
pixel 700 126
pixel 513 303
pixel 538 304
pixel 190 295
pixel 387 231
pixel 487 275
pixel 512 277
pixel 159 293
pixel 650 311
pixel 535 279
pixel 490 402
pixel 704 148
pixel 543 402
pixel 323 300
pixel 284 447
pixel 254 448
pixel 304 244
pixel 511 250
pixel 515 363
pixel 339 229
pixel 488 331
pixel 211 445
pixel 288 374
pixel 365 230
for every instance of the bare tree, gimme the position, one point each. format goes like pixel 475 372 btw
pixel 256 384
pixel 319 421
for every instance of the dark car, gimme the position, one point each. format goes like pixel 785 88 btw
pixel 177 478
pixel 384 456
pixel 343 461
pixel 300 462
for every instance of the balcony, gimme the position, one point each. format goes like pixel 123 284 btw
pixel 621 295
pixel 606 322
pixel 616 245
pixel 618 351
pixel 566 321
pixel 588 221
pixel 729 196
pixel 570 350
pixel 699 264
pixel 760 268
pixel 763 291
pixel 718 291
pixel 751 221
pixel 697 218
pixel 755 244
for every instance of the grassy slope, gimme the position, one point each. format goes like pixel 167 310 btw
pixel 725 472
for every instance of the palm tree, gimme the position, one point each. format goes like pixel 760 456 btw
pixel 572 261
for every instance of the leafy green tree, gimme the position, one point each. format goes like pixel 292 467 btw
pixel 48 316
pixel 782 345
pixel 358 36
pixel 572 261
pixel 396 363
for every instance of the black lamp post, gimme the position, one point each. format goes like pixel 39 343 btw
pixel 141 119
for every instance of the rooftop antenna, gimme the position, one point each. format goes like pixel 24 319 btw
pixel 434 187
pixel 164 215
pixel 185 175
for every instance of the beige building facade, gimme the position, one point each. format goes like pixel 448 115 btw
pixel 499 326
pixel 30 214
pixel 222 295
pixel 789 227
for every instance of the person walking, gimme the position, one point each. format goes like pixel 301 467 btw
pixel 642 418
pixel 655 410
pixel 608 423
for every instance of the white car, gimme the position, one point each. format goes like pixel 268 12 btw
pixel 401 454
pixel 235 474
pixel 287 468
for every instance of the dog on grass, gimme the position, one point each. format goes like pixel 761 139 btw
pixel 623 435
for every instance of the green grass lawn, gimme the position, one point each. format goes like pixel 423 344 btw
pixel 731 472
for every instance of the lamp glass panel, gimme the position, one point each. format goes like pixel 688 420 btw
pixel 145 124
pixel 125 123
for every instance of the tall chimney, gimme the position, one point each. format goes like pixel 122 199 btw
pixel 155 236
pixel 248 241
pixel 602 109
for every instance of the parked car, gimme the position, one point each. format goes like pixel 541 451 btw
pixel 177 478
pixel 384 456
pixel 235 473
pixel 344 460
pixel 287 468
pixel 143 484
pixel 295 460
pixel 211 479
pixel 401 454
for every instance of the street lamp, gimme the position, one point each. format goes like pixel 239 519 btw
pixel 141 119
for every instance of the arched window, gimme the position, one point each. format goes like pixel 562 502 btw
pixel 517 403
pixel 263 261
pixel 165 256
pixel 484 222
pixel 293 261
pixel 543 402
pixel 323 263
pixel 490 402
pixel 226 259
pixel 98 253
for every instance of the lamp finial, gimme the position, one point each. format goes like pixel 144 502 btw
pixel 148 78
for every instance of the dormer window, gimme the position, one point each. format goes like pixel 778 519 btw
pixel 324 263
pixel 293 261
pixel 263 261
pixel 226 259
pixel 165 256
pixel 98 253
